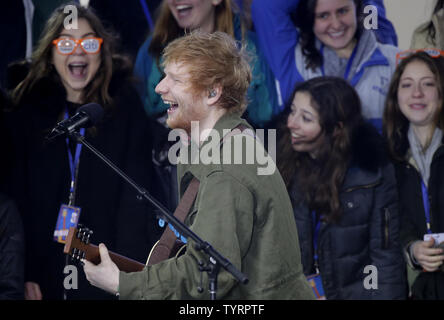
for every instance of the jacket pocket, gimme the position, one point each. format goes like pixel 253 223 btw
pixel 385 228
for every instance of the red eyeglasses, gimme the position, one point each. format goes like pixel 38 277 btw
pixel 66 46
pixel 433 52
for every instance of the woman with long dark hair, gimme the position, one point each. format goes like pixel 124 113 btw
pixel 413 126
pixel 343 191
pixel 75 64
pixel 311 38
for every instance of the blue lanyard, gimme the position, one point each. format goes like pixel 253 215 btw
pixel 147 13
pixel 349 62
pixel 73 163
pixel 316 228
pixel 425 201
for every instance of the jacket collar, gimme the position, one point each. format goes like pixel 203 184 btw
pixel 357 178
pixel 372 54
pixel 368 156
pixel 186 172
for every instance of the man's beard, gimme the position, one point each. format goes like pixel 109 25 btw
pixel 185 113
pixel 178 120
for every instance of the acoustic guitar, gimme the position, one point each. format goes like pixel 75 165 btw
pixel 78 247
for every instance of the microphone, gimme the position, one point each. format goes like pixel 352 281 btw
pixel 87 116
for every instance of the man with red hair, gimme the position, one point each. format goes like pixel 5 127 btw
pixel 245 215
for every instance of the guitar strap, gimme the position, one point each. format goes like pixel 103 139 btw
pixel 168 241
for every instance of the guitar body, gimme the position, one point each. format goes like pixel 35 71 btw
pixel 160 251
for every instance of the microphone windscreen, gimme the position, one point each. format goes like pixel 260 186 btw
pixel 94 112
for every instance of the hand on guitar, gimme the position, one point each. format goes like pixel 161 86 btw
pixel 105 275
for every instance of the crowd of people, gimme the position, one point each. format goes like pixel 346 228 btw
pixel 360 150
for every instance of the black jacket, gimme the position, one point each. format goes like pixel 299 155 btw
pixel 367 232
pixel 108 206
pixel 12 253
pixel 428 285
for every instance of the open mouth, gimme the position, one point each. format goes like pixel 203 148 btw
pixel 78 69
pixel 336 35
pixel 418 106
pixel 184 9
pixel 295 138
pixel 173 106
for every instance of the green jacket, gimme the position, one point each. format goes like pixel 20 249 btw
pixel 248 218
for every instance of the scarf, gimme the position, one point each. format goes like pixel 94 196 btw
pixel 336 66
pixel 423 158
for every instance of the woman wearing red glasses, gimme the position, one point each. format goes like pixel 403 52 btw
pixel 413 124
pixel 74 65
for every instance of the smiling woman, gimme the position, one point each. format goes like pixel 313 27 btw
pixel 336 24
pixel 313 38
pixel 194 13
pixel 85 75
pixel 71 67
pixel 413 125
pixel 303 123
pixel 77 66
pixel 343 192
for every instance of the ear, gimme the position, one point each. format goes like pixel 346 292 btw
pixel 338 128
pixel 214 95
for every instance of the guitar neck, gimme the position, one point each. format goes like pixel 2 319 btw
pixel 122 262
pixel 76 247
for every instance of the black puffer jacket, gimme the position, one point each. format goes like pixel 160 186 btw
pixel 428 285
pixel 367 233
pixel 12 253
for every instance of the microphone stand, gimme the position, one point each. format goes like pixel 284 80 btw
pixel 216 260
